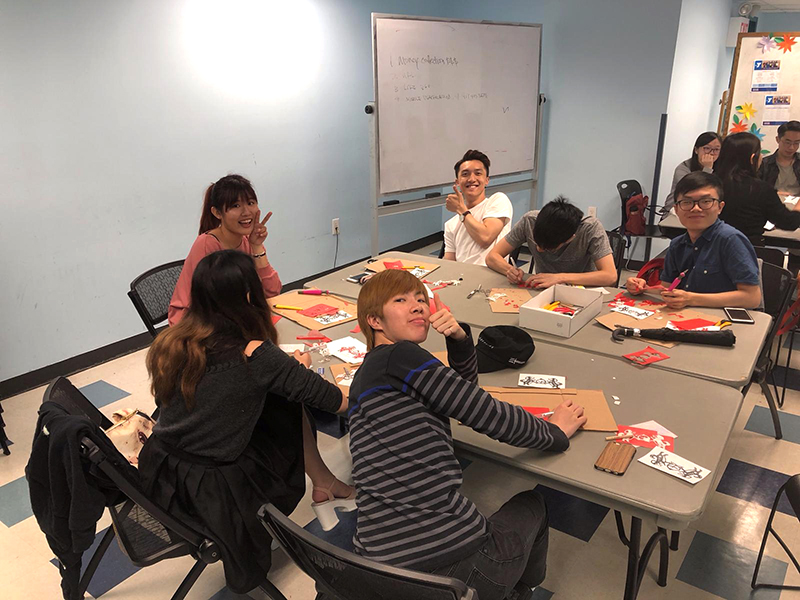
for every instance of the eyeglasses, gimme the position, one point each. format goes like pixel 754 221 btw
pixel 710 150
pixel 704 203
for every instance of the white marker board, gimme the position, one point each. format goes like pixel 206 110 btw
pixel 443 87
pixel 765 85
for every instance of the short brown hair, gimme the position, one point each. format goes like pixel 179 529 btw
pixel 377 291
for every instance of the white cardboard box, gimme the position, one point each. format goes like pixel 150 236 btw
pixel 533 316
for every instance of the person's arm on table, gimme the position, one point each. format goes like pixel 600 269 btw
pixel 744 296
pixel 606 274
pixel 496 261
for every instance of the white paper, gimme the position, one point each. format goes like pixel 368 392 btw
pixel 672 464
pixel 655 426
pixel 348 349
pixel 554 382
pixel 777 110
pixel 769 226
pixel 334 318
pixel 346 378
pixel 290 348
pixel 632 311
pixel 766 74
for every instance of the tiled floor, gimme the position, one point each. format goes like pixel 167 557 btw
pixel 586 559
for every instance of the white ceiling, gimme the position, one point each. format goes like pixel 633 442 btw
pixel 778 5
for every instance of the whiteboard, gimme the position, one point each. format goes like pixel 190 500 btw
pixel 443 87
pixel 765 85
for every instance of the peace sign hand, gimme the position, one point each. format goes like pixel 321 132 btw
pixel 455 202
pixel 259 233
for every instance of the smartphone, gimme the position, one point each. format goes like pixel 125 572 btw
pixel 358 277
pixel 615 458
pixel 738 315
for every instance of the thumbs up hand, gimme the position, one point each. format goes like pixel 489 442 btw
pixel 444 322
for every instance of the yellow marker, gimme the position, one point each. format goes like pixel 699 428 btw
pixel 284 307
pixel 722 323
pixel 552 305
pixel 417 267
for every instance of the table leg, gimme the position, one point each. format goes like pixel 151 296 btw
pixel 637 563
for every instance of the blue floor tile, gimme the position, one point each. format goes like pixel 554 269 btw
pixel 340 536
pixel 102 393
pixel 15 503
pixel 113 569
pixel 573 516
pixel 725 569
pixel 327 423
pixel 753 484
pixel 541 594
pixel 760 421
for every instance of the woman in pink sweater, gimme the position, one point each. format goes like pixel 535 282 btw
pixel 230 221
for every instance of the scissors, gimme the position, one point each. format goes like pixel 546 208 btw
pixel 475 291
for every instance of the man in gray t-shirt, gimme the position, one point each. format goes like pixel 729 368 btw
pixel 566 248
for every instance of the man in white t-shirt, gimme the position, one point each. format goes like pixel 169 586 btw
pixel 479 221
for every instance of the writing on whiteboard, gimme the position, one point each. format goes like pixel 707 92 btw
pixel 448 61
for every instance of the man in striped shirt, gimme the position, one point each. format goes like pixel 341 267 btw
pixel 411 513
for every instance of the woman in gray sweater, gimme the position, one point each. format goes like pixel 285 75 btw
pixel 704 153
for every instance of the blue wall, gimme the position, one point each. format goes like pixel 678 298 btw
pixel 778 21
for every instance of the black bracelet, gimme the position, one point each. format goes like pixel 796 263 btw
pixel 264 253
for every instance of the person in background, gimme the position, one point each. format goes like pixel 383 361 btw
pixel 718 263
pixel 750 202
pixel 231 220
pixel 232 433
pixel 704 154
pixel 781 170
pixel 479 221
pixel 565 246
pixel 410 511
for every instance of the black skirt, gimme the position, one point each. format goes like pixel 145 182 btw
pixel 221 500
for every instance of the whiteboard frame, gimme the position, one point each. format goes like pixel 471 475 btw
pixel 374 136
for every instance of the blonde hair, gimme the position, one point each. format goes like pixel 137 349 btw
pixel 377 291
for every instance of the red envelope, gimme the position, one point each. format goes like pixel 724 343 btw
pixel 538 410
pixel 393 264
pixel 690 324
pixel 646 356
pixel 646 438
pixel 318 310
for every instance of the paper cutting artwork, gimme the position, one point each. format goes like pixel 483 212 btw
pixel 737 125
pixel 290 348
pixel 786 42
pixel 345 376
pixel 756 132
pixel 672 464
pixel 507 300
pixel 542 381
pixel 622 300
pixel 416 268
pixel 646 438
pixel 746 110
pixel 646 356
pixel 632 311
pixel 348 349
pixel 336 317
pixel 317 310
pixel 766 44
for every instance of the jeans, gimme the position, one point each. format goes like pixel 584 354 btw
pixel 516 550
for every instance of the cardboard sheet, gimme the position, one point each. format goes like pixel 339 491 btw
pixel 658 320
pixel 424 269
pixel 510 303
pixel 303 301
pixel 343 375
pixel 593 401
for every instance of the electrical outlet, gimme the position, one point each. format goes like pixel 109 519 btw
pixel 335 226
pixel 593 211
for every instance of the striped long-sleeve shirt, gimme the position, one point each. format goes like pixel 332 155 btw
pixel 410 512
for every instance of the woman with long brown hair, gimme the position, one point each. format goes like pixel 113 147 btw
pixel 231 220
pixel 232 433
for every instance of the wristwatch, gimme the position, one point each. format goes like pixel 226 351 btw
pixel 464 215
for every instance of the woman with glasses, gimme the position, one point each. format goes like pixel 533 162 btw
pixel 749 201
pixel 704 153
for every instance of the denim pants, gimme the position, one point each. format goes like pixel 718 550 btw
pixel 516 550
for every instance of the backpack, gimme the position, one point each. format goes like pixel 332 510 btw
pixel 651 271
pixel 634 214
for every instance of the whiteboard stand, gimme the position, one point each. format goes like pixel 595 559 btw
pixel 379 210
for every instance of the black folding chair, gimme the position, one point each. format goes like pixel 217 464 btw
pixel 146 533
pixel 152 291
pixel 617 242
pixel 792 490
pixel 777 285
pixel 342 575
pixel 3 439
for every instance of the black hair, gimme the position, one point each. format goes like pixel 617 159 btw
pixel 702 139
pixel 698 180
pixel 556 223
pixel 222 195
pixel 788 126
pixel 738 157
pixel 474 155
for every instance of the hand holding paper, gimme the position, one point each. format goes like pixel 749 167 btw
pixel 635 285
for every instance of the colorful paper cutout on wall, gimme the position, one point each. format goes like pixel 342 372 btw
pixel 766 44
pixel 756 131
pixel 738 125
pixel 786 42
pixel 747 110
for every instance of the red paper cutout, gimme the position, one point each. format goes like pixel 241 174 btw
pixel 356 329
pixel 538 410
pixel 690 324
pixel 318 310
pixel 396 264
pixel 646 356
pixel 276 318
pixel 652 303
pixel 621 298
pixel 646 438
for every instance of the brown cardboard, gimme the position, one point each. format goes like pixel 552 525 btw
pixel 593 402
pixel 378 265
pixel 657 320
pixel 517 297
pixel 307 301
pixel 339 372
